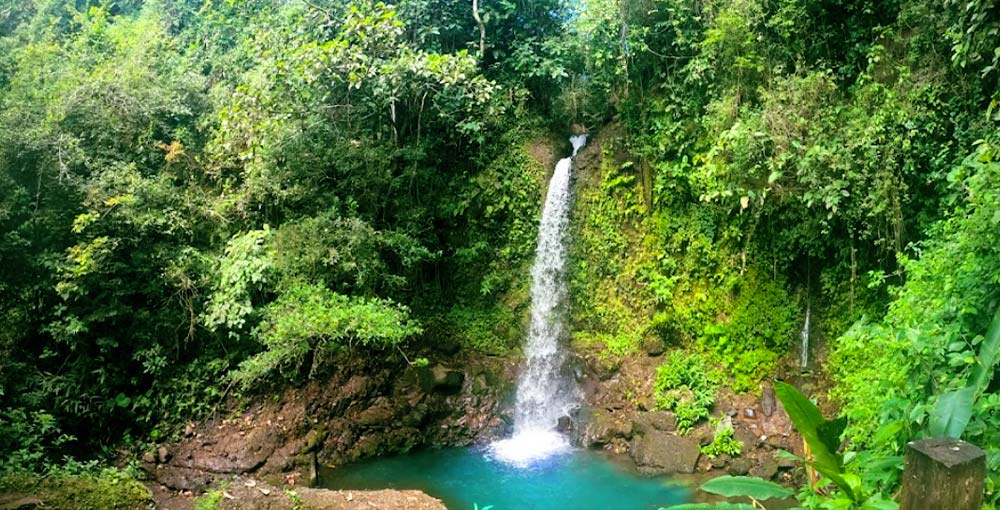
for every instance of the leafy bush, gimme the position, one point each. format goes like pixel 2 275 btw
pixel 761 322
pixel 27 438
pixel 311 322
pixel 724 442
pixel 686 384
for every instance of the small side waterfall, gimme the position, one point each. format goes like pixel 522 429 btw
pixel 543 393
pixel 804 337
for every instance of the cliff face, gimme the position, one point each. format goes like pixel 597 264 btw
pixel 364 410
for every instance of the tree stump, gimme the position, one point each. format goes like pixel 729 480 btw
pixel 943 474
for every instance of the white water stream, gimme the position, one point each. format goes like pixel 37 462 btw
pixel 804 337
pixel 544 393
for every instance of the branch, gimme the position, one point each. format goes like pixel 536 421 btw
pixel 482 30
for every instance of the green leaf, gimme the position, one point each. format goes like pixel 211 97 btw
pixel 807 420
pixel 723 505
pixel 830 432
pixel 983 371
pixel 952 412
pixel 757 488
pixel 878 502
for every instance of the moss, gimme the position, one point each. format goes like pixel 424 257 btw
pixel 105 491
pixel 211 500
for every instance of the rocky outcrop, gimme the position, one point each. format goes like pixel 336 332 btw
pixel 600 428
pixel 254 495
pixel 368 410
pixel 659 453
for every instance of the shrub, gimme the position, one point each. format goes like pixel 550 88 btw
pixel 724 442
pixel 686 385
pixel 310 321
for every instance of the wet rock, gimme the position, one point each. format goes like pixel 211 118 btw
pixel 314 440
pixel 600 427
pixel 660 452
pixel 646 422
pixel 740 467
pixel 766 469
pixel 564 425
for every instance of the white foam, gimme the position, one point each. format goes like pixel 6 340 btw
pixel 529 447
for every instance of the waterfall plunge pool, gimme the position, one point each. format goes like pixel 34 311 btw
pixel 469 478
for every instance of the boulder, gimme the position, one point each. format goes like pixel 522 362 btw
pixel 766 469
pixel 659 452
pixel 601 427
pixel 740 467
pixel 664 421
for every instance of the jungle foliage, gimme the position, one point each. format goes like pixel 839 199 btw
pixel 197 196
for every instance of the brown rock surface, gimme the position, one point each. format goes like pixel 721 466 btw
pixel 368 409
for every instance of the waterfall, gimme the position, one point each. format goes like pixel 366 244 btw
pixel 804 337
pixel 544 394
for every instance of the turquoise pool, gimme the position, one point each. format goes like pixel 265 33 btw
pixel 468 478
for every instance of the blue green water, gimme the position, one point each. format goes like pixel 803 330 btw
pixel 467 478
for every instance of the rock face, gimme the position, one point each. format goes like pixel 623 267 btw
pixel 658 453
pixel 650 421
pixel 601 427
pixel 363 411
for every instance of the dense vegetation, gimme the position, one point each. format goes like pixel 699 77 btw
pixel 204 197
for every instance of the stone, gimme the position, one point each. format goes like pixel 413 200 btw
pixel 766 469
pixel 785 463
pixel 600 427
pixel 564 425
pixel 658 453
pixel 149 458
pixel 739 467
pixel 163 455
pixel 377 415
pixel 720 461
pixel 749 413
pixel 767 401
pixel 745 436
pixel 447 380
pixel 643 423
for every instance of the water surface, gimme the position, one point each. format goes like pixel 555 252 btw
pixel 465 478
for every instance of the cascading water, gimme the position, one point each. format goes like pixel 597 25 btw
pixel 804 337
pixel 543 393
